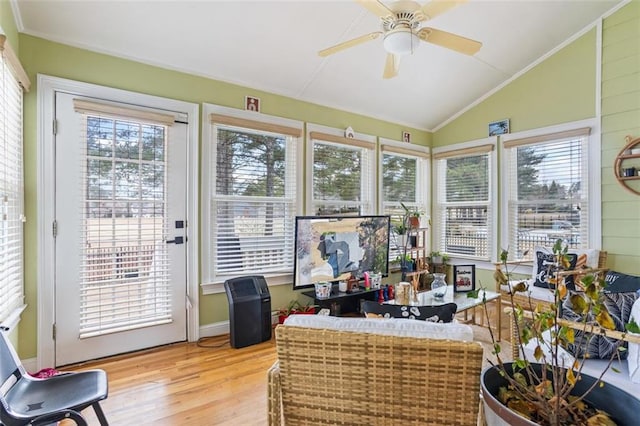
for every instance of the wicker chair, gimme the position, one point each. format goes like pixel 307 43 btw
pixel 338 377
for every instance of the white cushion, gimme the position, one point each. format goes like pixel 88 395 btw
pixel 619 378
pixel 388 326
pixel 538 293
pixel 593 256
pixel 565 358
pixel 633 356
pixel 617 375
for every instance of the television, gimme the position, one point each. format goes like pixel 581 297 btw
pixel 332 248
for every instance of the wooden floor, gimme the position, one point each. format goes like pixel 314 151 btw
pixel 184 384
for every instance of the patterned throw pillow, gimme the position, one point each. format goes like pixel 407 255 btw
pixel 599 347
pixel 617 282
pixel 544 269
pixel 439 313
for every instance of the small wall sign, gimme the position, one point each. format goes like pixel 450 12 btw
pixel 406 137
pixel 349 133
pixel 499 127
pixel 251 103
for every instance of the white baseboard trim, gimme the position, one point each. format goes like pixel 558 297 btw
pixel 30 364
pixel 214 329
pixel 222 327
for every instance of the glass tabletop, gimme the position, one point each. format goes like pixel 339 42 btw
pixel 460 299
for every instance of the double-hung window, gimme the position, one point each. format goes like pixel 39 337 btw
pixel 341 173
pixel 404 180
pixel 465 202
pixel 251 194
pixel 547 190
pixel 13 81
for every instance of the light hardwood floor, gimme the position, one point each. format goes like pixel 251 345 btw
pixel 187 385
pixel 184 384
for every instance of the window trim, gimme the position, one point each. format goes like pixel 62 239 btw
pixel 470 148
pixel 237 116
pixel 593 163
pixel 337 136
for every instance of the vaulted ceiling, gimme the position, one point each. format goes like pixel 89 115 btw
pixel 273 46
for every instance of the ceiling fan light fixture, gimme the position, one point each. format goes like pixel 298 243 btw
pixel 401 41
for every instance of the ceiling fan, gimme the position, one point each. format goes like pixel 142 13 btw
pixel 402 31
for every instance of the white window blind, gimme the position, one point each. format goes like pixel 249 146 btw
pixel 342 175
pixel 11 189
pixel 253 197
pixel 464 206
pixel 548 191
pixel 403 181
pixel 125 270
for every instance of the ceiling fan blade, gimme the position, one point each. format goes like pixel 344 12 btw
pixel 438 7
pixel 391 66
pixel 450 41
pixel 349 43
pixel 377 8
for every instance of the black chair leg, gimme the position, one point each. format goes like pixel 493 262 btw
pixel 101 418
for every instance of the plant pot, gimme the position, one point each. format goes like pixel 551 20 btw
pixel 414 222
pixel 620 405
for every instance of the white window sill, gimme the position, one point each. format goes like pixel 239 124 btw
pixel 218 287
pixel 12 320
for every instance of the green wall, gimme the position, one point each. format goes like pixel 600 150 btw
pixel 559 90
pixel 620 117
pixel 8 25
pixel 563 89
pixel 45 57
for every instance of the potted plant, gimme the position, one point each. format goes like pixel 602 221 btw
pixel 544 390
pixel 295 307
pixel 438 258
pixel 411 216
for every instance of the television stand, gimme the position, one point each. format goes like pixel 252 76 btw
pixel 340 303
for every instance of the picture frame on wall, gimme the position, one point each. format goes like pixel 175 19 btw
pixel 499 127
pixel 464 278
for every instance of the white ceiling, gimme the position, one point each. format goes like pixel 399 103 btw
pixel 272 46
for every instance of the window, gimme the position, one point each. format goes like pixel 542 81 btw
pixel 404 179
pixel 464 202
pixel 12 82
pixel 548 190
pixel 342 174
pixel 124 279
pixel 252 195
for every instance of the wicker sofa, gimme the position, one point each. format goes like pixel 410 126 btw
pixel 350 377
pixel 618 374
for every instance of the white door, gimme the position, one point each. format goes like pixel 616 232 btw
pixel 120 257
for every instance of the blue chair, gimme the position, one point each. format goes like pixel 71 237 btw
pixel 25 400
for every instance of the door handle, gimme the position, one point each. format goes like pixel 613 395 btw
pixel 176 240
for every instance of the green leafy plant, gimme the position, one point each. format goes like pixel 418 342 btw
pixel 546 395
pixel 294 307
pixel 411 217
pixel 436 254
pixel 632 327
pixel 400 229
